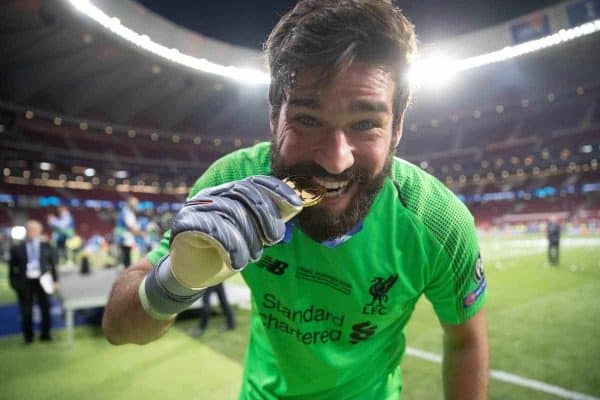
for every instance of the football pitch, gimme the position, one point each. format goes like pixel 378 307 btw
pixel 543 322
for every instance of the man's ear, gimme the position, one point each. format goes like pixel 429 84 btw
pixel 273 119
pixel 272 124
pixel 397 136
pixel 398 132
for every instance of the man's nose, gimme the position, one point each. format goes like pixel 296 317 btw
pixel 335 153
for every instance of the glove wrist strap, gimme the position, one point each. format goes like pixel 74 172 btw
pixel 162 296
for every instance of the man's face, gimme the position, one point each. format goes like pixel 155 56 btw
pixel 340 134
pixel 133 203
pixel 34 230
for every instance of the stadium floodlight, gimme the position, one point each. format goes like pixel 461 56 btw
pixel 434 72
pixel 531 46
pixel 46 166
pixel 121 174
pixel 244 75
pixel 427 72
pixel 18 232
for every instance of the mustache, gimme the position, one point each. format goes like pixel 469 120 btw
pixel 313 170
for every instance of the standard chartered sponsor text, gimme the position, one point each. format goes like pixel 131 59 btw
pixel 326 326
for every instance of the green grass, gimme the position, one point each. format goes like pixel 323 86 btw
pixel 7 295
pixel 176 367
pixel 544 324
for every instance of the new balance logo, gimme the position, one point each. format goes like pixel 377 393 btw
pixel 273 266
pixel 362 331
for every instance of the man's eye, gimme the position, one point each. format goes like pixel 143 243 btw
pixel 364 125
pixel 307 120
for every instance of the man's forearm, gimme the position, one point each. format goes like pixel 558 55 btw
pixel 124 320
pixel 466 365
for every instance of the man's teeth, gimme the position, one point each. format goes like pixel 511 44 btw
pixel 333 187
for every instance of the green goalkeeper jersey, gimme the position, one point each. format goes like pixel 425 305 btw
pixel 328 322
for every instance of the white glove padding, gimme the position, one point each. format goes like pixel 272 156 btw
pixel 221 229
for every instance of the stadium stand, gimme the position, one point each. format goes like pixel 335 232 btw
pixel 515 139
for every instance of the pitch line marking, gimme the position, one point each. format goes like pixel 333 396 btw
pixel 512 378
pixel 240 292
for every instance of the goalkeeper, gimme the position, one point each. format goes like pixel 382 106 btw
pixel 334 284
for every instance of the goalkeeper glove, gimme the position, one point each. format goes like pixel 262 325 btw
pixel 215 235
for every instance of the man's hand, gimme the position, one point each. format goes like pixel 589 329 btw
pixel 238 219
pixel 216 234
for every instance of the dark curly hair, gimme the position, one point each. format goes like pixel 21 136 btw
pixel 334 34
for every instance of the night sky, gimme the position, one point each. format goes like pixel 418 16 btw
pixel 248 22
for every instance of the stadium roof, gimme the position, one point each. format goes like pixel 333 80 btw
pixel 56 60
pixel 435 20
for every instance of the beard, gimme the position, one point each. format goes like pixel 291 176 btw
pixel 318 222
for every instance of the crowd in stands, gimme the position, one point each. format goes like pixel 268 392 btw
pixel 513 165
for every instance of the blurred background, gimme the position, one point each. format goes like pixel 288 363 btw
pixel 104 100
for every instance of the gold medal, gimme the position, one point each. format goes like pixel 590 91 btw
pixel 310 192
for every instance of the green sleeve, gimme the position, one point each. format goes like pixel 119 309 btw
pixel 457 286
pixel 161 250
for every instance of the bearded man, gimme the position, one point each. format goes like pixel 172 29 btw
pixel 333 284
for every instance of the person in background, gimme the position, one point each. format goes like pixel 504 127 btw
pixel 90 251
pixel 553 234
pixel 63 229
pixel 127 229
pixel 153 234
pixel 206 311
pixel 29 262
pixel 150 232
